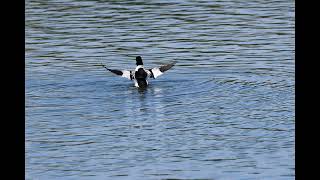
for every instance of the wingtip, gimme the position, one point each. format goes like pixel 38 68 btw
pixel 104 66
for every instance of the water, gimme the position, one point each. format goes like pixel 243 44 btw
pixel 225 111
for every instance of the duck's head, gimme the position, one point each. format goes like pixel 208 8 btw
pixel 139 61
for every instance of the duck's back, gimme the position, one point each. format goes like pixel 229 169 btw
pixel 141 77
pixel 140 74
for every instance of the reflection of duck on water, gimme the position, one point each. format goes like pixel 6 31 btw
pixel 140 75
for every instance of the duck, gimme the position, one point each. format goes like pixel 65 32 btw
pixel 140 75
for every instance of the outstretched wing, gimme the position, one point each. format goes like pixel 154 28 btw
pixel 158 71
pixel 123 73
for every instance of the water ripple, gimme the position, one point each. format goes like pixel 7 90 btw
pixel 225 111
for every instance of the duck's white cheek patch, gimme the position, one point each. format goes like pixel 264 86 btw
pixel 156 72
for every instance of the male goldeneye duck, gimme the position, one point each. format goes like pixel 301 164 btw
pixel 140 75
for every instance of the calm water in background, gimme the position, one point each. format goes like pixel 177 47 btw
pixel 225 111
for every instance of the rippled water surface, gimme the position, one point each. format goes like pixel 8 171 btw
pixel 225 111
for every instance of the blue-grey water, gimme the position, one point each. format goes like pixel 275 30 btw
pixel 224 112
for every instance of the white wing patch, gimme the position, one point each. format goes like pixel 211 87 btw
pixel 126 74
pixel 156 72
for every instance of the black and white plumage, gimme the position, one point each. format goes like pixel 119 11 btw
pixel 140 74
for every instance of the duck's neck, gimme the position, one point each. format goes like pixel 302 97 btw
pixel 138 67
